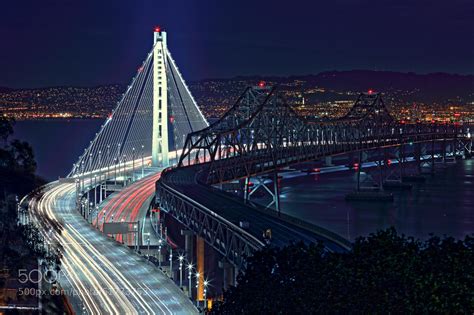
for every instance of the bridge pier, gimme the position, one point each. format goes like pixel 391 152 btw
pixel 188 244
pixel 250 189
pixel 200 268
pixel 467 149
pixel 369 193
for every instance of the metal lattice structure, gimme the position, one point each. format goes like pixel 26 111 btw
pixel 262 137
pixel 228 239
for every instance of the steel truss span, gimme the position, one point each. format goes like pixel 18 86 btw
pixel 126 135
pixel 259 138
pixel 261 133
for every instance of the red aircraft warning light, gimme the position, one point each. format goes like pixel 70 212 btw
pixel 370 92
pixel 261 84
pixel 157 29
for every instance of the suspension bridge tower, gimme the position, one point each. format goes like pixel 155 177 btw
pixel 160 149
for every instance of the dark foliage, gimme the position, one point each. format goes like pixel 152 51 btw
pixel 17 164
pixel 384 273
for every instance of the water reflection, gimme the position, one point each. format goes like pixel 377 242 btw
pixel 443 205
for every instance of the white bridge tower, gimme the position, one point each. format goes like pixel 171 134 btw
pixel 159 150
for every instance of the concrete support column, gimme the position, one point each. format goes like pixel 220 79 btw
pixel 200 267
pixel 188 244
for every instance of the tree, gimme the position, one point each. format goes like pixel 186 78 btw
pixel 17 164
pixel 22 154
pixel 383 273
pixel 6 128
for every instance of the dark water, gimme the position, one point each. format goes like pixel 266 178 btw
pixel 57 143
pixel 443 205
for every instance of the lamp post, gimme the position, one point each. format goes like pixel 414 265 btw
pixel 181 258
pixel 137 241
pixel 143 164
pixel 115 172
pixel 133 164
pixel 206 283
pixel 100 165
pixel 90 171
pixel 118 160
pixel 124 158
pixel 82 176
pixel 103 221
pixel 108 168
pixel 95 189
pixel 148 245
pixel 197 288
pixel 159 252
pixel 97 217
pixel 82 206
pixel 190 275
pixel 171 263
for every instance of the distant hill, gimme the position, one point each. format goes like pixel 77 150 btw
pixel 432 87
pixel 435 85
pixel 5 89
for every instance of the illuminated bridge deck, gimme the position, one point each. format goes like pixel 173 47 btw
pixel 233 209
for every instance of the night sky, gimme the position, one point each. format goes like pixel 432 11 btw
pixel 91 42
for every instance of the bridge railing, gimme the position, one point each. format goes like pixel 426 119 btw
pixel 227 238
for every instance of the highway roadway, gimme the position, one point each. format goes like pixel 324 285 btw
pixel 100 276
pixel 128 205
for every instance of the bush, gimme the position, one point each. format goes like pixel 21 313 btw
pixel 383 273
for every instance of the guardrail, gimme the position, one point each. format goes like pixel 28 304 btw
pixel 227 238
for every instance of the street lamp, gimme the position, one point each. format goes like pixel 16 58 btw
pixel 115 172
pixel 143 165
pixel 206 283
pixel 197 288
pixel 97 217
pixel 124 159
pixel 171 263
pixel 133 164
pixel 148 244
pixel 181 258
pixel 89 210
pixel 159 252
pixel 95 189
pixel 190 274
pixel 103 221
